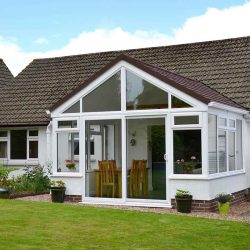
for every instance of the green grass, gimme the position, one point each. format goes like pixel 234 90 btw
pixel 35 225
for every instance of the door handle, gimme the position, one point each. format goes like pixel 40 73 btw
pixel 166 157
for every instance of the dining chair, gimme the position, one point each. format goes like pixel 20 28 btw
pixel 107 172
pixel 138 179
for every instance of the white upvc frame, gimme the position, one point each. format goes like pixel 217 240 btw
pixel 55 131
pixel 28 160
pixel 29 139
pixel 198 108
pixel 226 114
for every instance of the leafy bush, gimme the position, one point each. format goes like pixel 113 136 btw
pixel 34 180
pixel 4 172
pixel 183 194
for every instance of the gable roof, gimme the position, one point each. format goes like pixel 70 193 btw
pixel 222 65
pixel 194 88
pixel 5 74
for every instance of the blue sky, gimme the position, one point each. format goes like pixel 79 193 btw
pixel 44 28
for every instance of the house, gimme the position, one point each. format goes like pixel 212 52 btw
pixel 154 120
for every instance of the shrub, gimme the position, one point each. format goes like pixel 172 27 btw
pixel 34 180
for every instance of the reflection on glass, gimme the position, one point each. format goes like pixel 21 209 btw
pixel 187 152
pixel 183 120
pixel 212 143
pixel 222 150
pixel 231 150
pixel 103 159
pixel 146 167
pixel 106 97
pixel 33 149
pixel 3 149
pixel 75 108
pixel 239 160
pixel 178 103
pixel 67 152
pixel 144 95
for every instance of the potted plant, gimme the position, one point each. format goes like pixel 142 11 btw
pixel 223 203
pixel 71 165
pixel 186 167
pixel 57 189
pixel 183 201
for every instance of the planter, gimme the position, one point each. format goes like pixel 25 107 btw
pixel 57 194
pixel 184 204
pixel 4 193
pixel 223 208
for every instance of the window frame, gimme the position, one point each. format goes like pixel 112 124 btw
pixel 29 139
pixel 6 139
pixel 227 129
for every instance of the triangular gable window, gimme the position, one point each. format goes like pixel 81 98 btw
pixel 106 97
pixel 75 108
pixel 144 95
pixel 177 103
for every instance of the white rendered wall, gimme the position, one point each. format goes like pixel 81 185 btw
pixel 74 185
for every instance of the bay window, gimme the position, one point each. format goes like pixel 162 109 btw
pixel 224 144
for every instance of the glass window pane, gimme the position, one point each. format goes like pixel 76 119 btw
pixel 239 160
pixel 67 152
pixel 3 149
pixel 144 95
pixel 212 143
pixel 33 149
pixel 3 134
pixel 75 108
pixel 187 152
pixel 33 133
pixel 183 120
pixel 231 150
pixel 67 124
pixel 18 144
pixel 223 122
pixel 106 97
pixel 177 103
pixel 222 142
pixel 232 123
pixel 146 167
pixel 103 159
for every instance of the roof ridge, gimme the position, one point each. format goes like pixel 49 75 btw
pixel 144 48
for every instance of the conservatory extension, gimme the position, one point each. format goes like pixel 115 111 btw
pixel 134 133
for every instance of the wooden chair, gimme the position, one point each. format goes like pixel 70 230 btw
pixel 138 179
pixel 107 172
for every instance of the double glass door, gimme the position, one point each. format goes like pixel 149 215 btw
pixel 144 149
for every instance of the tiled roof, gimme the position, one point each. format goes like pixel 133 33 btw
pixel 5 74
pixel 194 88
pixel 222 65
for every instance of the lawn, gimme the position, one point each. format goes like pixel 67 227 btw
pixel 35 225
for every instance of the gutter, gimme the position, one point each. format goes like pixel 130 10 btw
pixel 218 105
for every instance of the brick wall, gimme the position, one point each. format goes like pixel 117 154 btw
pixel 211 205
pixel 73 198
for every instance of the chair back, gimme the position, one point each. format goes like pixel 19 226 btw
pixel 107 172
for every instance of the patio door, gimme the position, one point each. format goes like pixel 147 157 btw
pixel 146 164
pixel 103 169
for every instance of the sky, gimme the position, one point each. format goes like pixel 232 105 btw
pixel 32 29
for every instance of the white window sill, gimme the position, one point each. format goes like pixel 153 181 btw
pixel 67 174
pixel 205 177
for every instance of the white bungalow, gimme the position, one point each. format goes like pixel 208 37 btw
pixel 147 130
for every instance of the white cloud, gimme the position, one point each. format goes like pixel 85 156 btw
pixel 214 24
pixel 41 40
